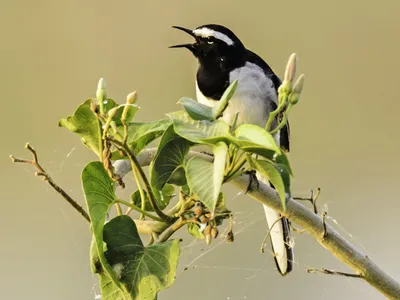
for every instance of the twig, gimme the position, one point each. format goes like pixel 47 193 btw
pixel 172 229
pixel 42 173
pixel 313 199
pixel 331 272
pixel 138 209
pixel 136 165
pixel 268 234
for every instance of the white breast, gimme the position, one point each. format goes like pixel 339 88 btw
pixel 251 98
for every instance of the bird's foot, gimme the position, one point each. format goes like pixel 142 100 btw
pixel 252 180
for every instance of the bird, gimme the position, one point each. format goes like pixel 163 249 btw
pixel 222 59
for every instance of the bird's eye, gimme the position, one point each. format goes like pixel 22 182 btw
pixel 210 41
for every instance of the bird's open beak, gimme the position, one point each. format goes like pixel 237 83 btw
pixel 190 47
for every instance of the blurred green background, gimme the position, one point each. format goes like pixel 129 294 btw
pixel 344 135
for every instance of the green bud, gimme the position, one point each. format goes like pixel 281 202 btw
pixel 297 89
pixel 285 88
pixel 112 112
pixel 101 94
pixel 131 98
pixel 298 86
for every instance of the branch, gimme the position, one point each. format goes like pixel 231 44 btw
pixel 328 237
pixel 42 173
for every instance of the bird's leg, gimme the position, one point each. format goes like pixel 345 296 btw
pixel 252 179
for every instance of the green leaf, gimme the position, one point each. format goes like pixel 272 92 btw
pixel 85 123
pixel 178 177
pixel 170 156
pixel 142 134
pixel 168 192
pixel 278 175
pixel 251 136
pixel 108 288
pixel 99 194
pixel 196 110
pixel 205 179
pixel 132 110
pixel 194 230
pixel 282 159
pixel 144 270
pixel 200 132
pixel 221 105
pixel 221 203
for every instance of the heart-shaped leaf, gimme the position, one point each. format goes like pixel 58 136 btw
pixel 170 156
pixel 85 123
pixel 141 134
pixel 200 132
pixel 278 175
pixel 141 271
pixel 253 136
pixel 99 194
pixel 205 179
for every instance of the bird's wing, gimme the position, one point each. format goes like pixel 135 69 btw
pixel 285 131
pixel 279 227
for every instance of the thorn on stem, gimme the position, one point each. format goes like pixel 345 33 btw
pixel 331 272
pixel 325 233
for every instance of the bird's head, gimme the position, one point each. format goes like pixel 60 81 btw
pixel 215 46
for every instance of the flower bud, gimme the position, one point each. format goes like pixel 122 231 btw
pixel 112 112
pixel 290 71
pixel 214 232
pixel 230 237
pixel 101 93
pixel 297 89
pixel 207 234
pixel 131 98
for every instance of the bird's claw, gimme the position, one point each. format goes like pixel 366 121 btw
pixel 252 179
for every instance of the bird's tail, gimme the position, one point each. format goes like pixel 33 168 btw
pixel 280 236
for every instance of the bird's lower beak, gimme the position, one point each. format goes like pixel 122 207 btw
pixel 187 46
pixel 190 47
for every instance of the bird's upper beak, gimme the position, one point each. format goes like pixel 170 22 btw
pixel 190 47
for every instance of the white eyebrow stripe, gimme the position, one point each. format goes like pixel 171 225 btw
pixel 207 32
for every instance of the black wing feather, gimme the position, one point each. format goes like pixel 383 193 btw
pixel 285 131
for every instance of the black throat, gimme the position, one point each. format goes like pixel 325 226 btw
pixel 213 77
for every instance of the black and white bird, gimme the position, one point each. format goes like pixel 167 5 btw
pixel 223 59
